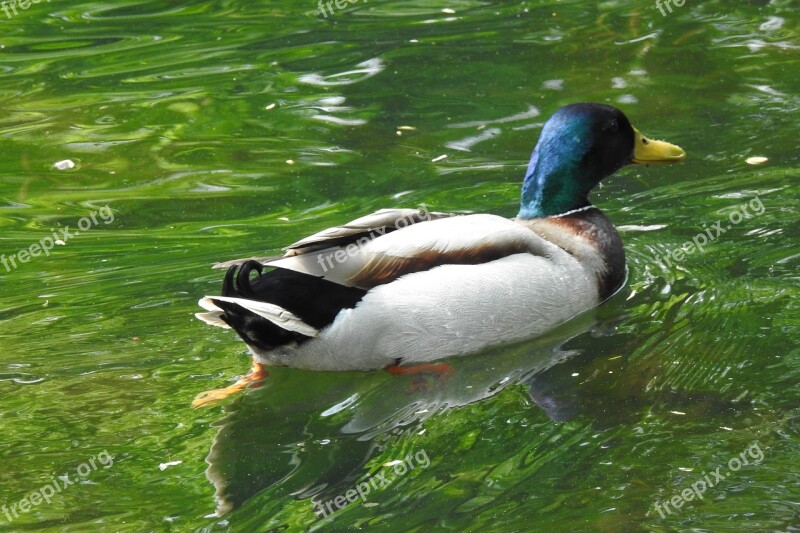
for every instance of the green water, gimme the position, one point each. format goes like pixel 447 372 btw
pixel 181 116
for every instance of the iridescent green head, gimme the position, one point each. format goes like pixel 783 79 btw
pixel 580 145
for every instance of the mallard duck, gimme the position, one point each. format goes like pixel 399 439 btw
pixel 403 288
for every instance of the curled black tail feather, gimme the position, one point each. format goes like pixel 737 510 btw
pixel 314 300
pixel 241 288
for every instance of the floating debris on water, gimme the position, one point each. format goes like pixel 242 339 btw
pixel 66 164
pixel 164 466
pixel 440 158
pixel 756 160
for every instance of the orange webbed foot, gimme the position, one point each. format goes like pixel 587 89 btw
pixel 440 371
pixel 254 379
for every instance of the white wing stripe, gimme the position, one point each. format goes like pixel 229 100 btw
pixel 213 318
pixel 274 313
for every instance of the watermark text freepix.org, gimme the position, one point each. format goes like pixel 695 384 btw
pixel 709 234
pixel 339 256
pixel 700 486
pixel 60 237
pixel 14 4
pixel 374 482
pixel 340 4
pixel 57 485
pixel 668 4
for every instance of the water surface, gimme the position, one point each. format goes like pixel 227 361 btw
pixel 219 129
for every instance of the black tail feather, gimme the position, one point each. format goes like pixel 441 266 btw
pixel 314 300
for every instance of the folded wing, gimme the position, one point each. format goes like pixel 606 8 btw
pixel 373 257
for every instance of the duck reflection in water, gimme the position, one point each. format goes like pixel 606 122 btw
pixel 277 435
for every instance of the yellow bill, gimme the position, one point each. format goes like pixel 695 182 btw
pixel 647 151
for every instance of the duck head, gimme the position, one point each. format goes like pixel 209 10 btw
pixel 580 145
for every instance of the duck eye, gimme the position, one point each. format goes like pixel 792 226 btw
pixel 612 126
